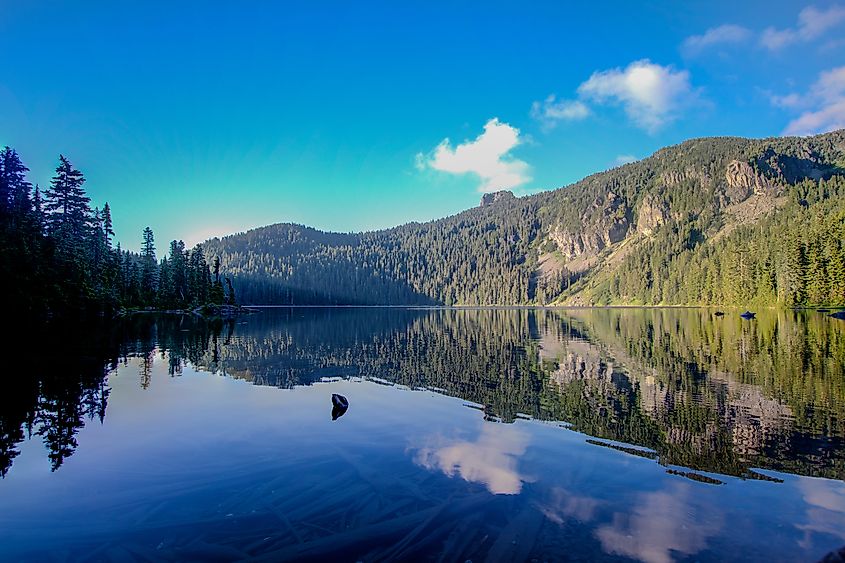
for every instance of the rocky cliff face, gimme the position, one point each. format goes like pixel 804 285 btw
pixel 612 217
pixel 652 213
pixel 805 162
pixel 742 181
pixel 672 177
pixel 496 197
pixel 606 222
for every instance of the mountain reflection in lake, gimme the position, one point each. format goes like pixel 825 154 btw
pixel 652 435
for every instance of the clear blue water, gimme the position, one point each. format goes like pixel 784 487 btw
pixel 643 435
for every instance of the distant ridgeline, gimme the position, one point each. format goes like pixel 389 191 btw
pixel 59 260
pixel 710 221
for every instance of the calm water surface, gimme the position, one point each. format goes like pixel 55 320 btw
pixel 650 435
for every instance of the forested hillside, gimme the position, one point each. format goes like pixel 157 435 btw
pixel 725 221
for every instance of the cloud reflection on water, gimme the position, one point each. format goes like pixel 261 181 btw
pixel 663 522
pixel 562 505
pixel 825 510
pixel 491 459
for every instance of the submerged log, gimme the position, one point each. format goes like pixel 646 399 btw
pixel 352 543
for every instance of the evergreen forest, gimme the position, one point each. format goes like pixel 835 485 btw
pixel 60 260
pixel 713 221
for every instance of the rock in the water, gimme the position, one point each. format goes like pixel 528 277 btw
pixel 747 315
pixel 339 406
pixel 838 315
pixel 837 556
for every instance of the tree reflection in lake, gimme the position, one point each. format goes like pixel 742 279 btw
pixel 712 394
pixel 53 392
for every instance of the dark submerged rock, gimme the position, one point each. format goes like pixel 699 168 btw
pixel 747 315
pixel 838 315
pixel 339 406
pixel 837 556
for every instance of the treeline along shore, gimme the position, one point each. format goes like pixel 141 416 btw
pixel 60 260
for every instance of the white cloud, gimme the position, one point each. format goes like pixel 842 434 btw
pixel 488 157
pixel 728 33
pixel 624 159
pixel 650 93
pixel 788 101
pixel 824 510
pixel 828 118
pixel 491 459
pixel 823 105
pixel 662 525
pixel 812 24
pixel 831 84
pixel 551 111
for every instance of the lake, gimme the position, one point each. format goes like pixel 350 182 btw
pixel 524 434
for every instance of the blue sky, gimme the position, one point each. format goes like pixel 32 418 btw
pixel 209 118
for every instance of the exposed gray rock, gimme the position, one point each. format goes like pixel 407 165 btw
pixel 605 223
pixel 496 197
pixel 673 177
pixel 652 214
pixel 743 180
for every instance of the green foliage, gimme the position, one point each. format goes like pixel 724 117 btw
pixel 700 250
pixel 792 257
pixel 477 257
pixel 62 260
pixel 722 221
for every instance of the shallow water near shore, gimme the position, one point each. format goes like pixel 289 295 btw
pixel 607 434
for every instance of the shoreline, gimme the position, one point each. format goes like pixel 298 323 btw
pixel 549 307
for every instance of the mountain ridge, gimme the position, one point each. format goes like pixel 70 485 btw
pixel 569 245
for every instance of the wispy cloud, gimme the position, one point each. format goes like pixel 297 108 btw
pixel 823 106
pixel 721 35
pixel 787 101
pixel 487 157
pixel 812 24
pixel 551 111
pixel 624 159
pixel 651 94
